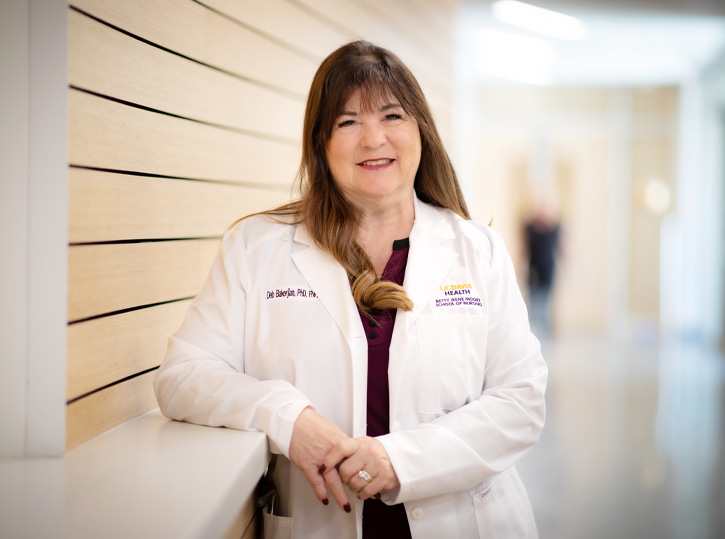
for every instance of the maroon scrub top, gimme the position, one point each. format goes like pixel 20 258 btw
pixel 383 521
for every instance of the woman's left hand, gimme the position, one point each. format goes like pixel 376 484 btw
pixel 365 454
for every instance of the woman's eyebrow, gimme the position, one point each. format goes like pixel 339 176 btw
pixel 389 106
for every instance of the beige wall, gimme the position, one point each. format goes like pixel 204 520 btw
pixel 594 147
pixel 33 217
pixel 185 116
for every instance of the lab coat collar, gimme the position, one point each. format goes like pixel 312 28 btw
pixel 329 281
pixel 430 259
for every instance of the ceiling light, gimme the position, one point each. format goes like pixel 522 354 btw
pixel 538 19
pixel 657 196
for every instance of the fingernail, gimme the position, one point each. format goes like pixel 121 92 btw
pixel 325 501
pixel 347 508
pixel 322 469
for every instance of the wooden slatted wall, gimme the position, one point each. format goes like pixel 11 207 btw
pixel 184 116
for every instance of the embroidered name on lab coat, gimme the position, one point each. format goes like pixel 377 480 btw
pixel 286 293
pixel 458 295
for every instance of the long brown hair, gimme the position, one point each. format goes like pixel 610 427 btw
pixel 329 218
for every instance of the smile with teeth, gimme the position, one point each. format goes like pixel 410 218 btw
pixel 375 162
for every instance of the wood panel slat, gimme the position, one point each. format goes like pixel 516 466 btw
pixel 288 22
pixel 105 350
pixel 406 14
pixel 190 29
pixel 109 62
pixel 105 206
pixel 433 76
pixel 109 135
pixel 436 17
pixel 109 278
pixel 95 414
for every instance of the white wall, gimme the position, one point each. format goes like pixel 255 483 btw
pixel 694 236
pixel 14 51
pixel 713 220
pixel 33 227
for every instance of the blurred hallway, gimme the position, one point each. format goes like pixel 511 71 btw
pixel 627 134
pixel 634 442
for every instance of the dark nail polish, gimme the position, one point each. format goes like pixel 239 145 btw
pixel 322 469
pixel 325 501
pixel 347 508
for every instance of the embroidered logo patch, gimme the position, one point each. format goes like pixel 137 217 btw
pixel 456 289
pixel 457 295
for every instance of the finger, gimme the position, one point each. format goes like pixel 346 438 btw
pixel 339 452
pixel 317 482
pixel 351 466
pixel 357 484
pixel 367 489
pixel 371 489
pixel 334 483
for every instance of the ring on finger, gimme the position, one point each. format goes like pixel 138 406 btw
pixel 365 475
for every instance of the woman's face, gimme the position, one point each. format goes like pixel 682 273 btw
pixel 374 154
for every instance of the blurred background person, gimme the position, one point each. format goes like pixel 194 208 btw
pixel 542 232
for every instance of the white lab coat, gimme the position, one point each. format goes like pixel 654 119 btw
pixel 275 329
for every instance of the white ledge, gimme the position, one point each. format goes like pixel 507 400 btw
pixel 151 477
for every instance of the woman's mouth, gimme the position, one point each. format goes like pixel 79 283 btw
pixel 376 164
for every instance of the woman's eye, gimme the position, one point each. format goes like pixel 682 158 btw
pixel 346 123
pixel 394 116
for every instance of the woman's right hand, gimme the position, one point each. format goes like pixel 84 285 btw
pixel 312 438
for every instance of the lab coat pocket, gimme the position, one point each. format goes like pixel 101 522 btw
pixel 503 509
pixel 276 527
pixel 452 360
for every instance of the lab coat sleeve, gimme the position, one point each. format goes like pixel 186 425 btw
pixel 467 446
pixel 202 378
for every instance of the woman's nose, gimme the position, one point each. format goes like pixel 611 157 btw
pixel 373 135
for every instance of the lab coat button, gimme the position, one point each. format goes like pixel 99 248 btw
pixel 416 513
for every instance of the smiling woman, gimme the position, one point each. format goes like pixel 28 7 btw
pixel 406 402
pixel 374 154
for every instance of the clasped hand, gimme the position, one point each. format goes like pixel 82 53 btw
pixel 330 459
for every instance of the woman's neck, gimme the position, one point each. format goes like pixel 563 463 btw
pixel 382 224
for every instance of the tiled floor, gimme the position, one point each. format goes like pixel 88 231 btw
pixel 634 446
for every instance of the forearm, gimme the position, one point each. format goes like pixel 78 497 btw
pixel 210 392
pixel 462 448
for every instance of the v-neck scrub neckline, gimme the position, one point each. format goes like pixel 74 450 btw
pixel 380 520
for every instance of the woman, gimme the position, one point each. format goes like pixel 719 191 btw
pixel 372 331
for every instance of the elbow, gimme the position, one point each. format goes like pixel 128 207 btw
pixel 537 415
pixel 533 407
pixel 164 389
pixel 538 420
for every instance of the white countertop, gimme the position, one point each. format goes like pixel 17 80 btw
pixel 150 477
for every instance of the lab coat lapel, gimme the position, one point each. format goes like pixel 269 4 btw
pixel 430 259
pixel 329 281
